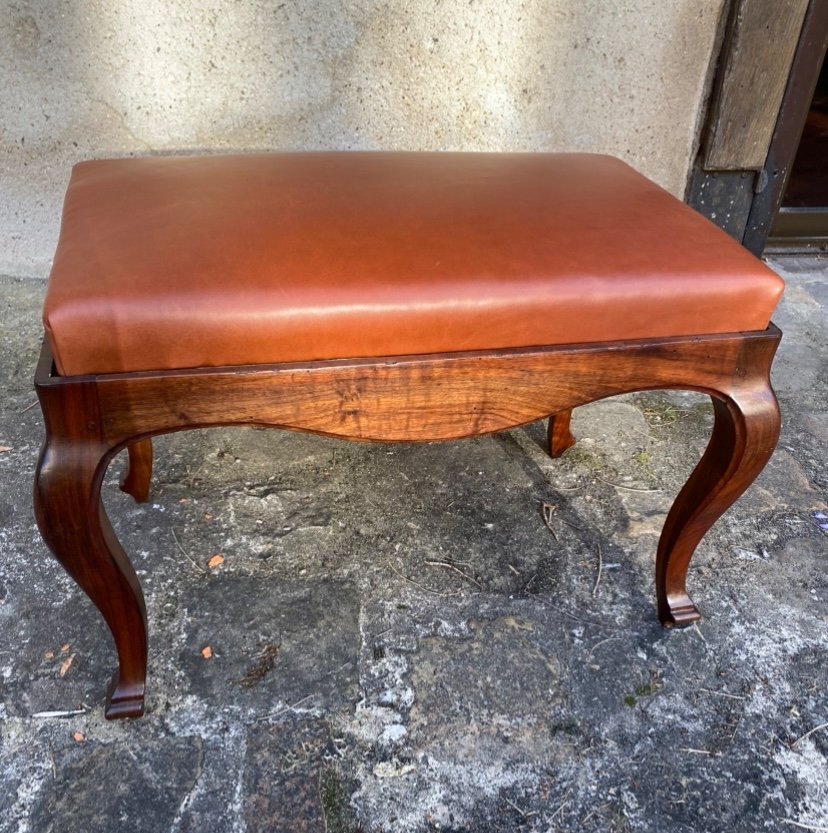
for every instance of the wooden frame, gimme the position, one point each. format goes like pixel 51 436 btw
pixel 745 200
pixel 766 223
pixel 432 397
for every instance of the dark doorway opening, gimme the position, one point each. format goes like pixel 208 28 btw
pixel 802 222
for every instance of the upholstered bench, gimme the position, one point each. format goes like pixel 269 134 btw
pixel 382 296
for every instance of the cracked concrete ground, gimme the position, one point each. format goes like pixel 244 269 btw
pixel 399 641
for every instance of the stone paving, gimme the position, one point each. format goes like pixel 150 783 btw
pixel 398 640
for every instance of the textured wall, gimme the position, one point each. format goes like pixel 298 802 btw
pixel 87 78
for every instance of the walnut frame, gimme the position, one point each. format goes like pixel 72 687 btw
pixel 409 398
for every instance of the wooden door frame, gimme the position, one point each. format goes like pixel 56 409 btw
pixel 745 200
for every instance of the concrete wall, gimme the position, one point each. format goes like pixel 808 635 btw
pixel 89 78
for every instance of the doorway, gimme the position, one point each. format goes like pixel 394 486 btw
pixel 802 222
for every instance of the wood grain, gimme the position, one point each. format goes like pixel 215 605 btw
pixel 418 398
pixel 763 39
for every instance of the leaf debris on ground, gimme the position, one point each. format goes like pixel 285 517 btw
pixel 264 664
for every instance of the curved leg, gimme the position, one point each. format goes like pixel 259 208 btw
pixel 72 521
pixel 745 432
pixel 136 478
pixel 559 436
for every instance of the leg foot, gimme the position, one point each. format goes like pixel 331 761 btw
pixel 123 700
pixel 136 478
pixel 745 432
pixel 678 611
pixel 559 436
pixel 67 502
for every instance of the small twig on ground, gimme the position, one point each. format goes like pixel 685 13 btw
pixel 522 813
pixel 622 486
pixel 665 418
pixel 52 761
pixel 600 571
pixel 457 570
pixel 580 619
pixel 513 569
pixel 337 670
pixel 456 563
pixel 417 584
pixel 808 734
pixel 186 554
pixel 67 713
pixel 599 644
pixel 561 805
pixel 283 709
pixel 29 407
pixel 548 509
pixel 594 812
pixel 722 694
pixel 802 826
pixel 694 751
pixel 736 727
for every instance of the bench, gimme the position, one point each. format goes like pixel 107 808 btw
pixel 382 296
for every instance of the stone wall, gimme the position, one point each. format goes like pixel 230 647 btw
pixel 90 78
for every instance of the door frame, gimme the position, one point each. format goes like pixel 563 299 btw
pixel 745 201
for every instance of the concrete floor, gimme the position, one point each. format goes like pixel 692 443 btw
pixel 400 642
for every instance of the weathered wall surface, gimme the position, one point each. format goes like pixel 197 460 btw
pixel 89 78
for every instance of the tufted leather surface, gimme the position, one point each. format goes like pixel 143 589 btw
pixel 184 262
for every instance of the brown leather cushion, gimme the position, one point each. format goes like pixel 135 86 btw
pixel 184 262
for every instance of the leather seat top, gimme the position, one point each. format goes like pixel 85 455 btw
pixel 183 262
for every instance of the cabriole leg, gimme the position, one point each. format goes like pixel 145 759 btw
pixel 559 436
pixel 745 433
pixel 67 501
pixel 136 478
